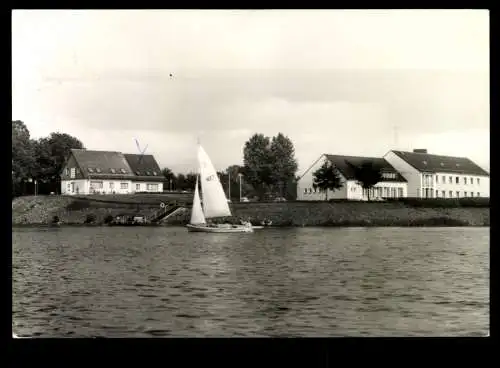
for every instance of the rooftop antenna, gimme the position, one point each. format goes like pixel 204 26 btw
pixel 141 151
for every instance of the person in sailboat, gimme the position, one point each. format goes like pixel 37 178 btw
pixel 215 206
pixel 246 222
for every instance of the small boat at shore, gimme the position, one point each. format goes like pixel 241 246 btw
pixel 215 204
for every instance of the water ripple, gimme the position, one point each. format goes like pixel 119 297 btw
pixel 165 282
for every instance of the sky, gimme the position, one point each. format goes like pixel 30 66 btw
pixel 352 82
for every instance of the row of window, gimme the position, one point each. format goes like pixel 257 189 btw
pixel 100 185
pixel 313 190
pixel 428 180
pixel 147 173
pixel 442 194
pixel 124 186
pixel 72 172
pixel 383 192
pixel 389 175
pixel 113 171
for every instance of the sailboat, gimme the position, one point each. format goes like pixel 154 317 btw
pixel 215 203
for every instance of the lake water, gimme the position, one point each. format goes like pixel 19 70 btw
pixel 166 282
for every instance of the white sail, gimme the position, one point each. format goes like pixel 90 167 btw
pixel 197 216
pixel 214 199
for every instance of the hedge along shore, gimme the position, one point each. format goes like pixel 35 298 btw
pixel 70 210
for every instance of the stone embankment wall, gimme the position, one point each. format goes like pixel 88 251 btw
pixel 352 214
pixel 70 210
pixel 42 209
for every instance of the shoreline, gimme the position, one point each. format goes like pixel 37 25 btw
pixel 77 212
pixel 351 225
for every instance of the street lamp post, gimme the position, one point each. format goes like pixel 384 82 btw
pixel 240 175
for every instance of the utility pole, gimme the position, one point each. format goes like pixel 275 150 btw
pixel 229 184
pixel 240 175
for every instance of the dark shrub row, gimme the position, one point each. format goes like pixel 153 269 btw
pixel 422 202
pixel 433 221
pixel 78 204
pixel 443 202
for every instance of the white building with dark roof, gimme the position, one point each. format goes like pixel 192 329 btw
pixel 435 176
pixel 107 172
pixel 392 185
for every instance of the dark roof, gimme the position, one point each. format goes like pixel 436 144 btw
pixel 143 165
pixel 347 171
pixel 425 162
pixel 135 178
pixel 101 163
pixel 118 166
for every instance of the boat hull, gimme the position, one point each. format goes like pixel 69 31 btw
pixel 220 228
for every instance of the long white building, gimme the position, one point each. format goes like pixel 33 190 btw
pixel 392 185
pixel 106 172
pixel 435 176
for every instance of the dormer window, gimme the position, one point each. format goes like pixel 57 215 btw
pixel 155 173
pixel 123 171
pixel 98 170
pixel 148 173
pixel 91 170
pixel 138 172
pixel 442 165
pixel 424 162
pixel 457 165
pixel 113 171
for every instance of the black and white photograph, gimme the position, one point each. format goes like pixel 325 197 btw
pixel 250 173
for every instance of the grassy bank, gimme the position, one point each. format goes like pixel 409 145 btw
pixel 408 212
pixel 355 214
pixel 75 210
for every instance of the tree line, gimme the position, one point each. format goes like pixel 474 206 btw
pixel 268 170
pixel 38 160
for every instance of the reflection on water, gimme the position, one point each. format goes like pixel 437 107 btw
pixel 134 282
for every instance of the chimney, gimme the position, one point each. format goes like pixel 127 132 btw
pixel 420 150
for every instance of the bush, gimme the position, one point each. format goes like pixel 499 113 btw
pixel 437 221
pixel 90 218
pixel 424 222
pixel 78 204
pixel 108 219
pixel 444 202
